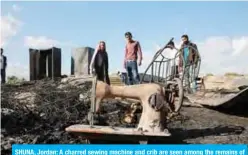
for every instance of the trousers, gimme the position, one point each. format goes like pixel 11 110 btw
pixel 3 75
pixel 132 72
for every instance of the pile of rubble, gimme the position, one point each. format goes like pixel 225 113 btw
pixel 39 112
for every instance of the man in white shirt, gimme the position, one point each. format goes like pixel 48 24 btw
pixel 170 53
pixel 3 60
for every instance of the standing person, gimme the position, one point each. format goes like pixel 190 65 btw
pixel 123 77
pixel 133 59
pixel 188 60
pixel 172 55
pixel 100 63
pixel 189 52
pixel 3 67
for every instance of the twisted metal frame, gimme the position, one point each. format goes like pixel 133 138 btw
pixel 160 74
pixel 163 72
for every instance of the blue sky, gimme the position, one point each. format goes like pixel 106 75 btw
pixel 85 23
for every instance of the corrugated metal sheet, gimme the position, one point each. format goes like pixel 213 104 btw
pixel 80 60
pixel 56 62
pixel 32 64
pixel 45 63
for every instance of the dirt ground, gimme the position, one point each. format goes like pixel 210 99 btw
pixel 201 125
pixel 46 122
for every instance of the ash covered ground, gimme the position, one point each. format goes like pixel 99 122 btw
pixel 38 112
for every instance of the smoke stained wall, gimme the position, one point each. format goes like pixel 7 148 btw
pixel 45 63
pixel 80 61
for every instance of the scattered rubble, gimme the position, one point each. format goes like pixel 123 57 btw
pixel 42 119
pixel 53 107
pixel 38 112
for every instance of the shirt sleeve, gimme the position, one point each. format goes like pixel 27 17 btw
pixel 125 57
pixel 139 51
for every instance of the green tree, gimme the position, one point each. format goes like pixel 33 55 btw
pixel 233 74
pixel 209 74
pixel 14 80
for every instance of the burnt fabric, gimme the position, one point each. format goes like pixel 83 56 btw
pixel 101 66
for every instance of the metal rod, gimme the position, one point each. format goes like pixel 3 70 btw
pixel 156 77
pixel 93 101
pixel 152 72
pixel 162 64
pixel 159 69
pixel 166 74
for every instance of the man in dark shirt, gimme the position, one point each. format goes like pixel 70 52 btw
pixel 189 61
pixel 3 67
pixel 131 61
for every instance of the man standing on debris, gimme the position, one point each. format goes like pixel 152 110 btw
pixel 131 60
pixel 123 76
pixel 3 67
pixel 188 60
pixel 100 61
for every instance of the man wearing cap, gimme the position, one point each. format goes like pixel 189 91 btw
pixel 3 60
pixel 133 59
